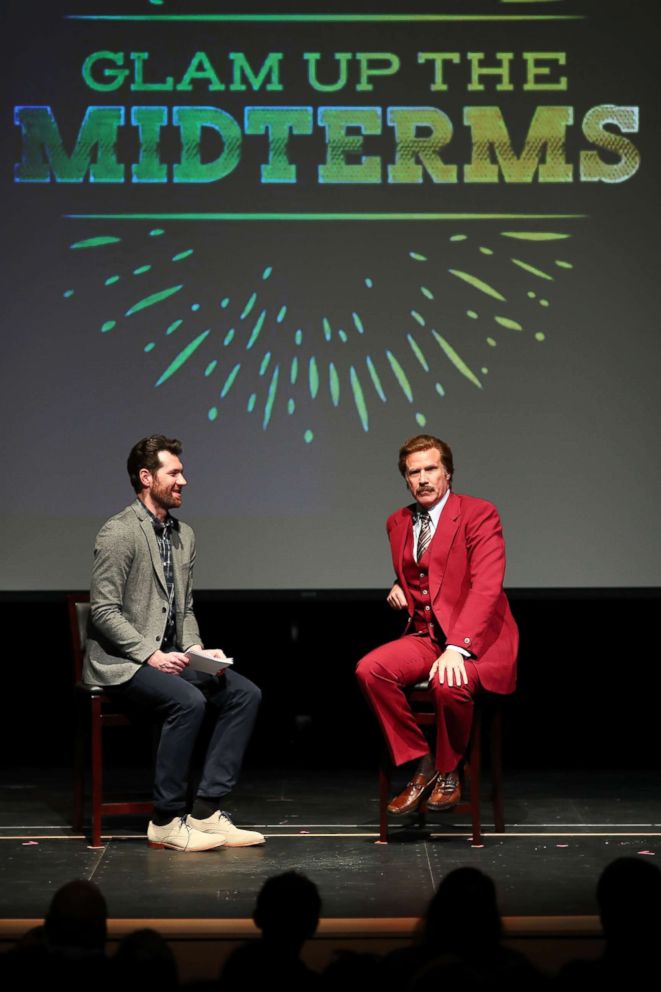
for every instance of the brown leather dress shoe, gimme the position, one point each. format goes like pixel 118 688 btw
pixel 446 793
pixel 415 792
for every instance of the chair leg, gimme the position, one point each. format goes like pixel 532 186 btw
pixel 497 771
pixel 474 763
pixel 384 798
pixel 97 770
pixel 78 770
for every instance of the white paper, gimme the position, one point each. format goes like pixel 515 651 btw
pixel 200 661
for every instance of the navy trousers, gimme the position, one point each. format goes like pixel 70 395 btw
pixel 181 702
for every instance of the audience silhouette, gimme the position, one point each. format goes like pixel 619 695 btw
pixel 460 939
pixel 459 942
pixel 629 899
pixel 69 949
pixel 143 959
pixel 287 913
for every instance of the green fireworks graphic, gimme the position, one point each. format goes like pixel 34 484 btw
pixel 260 353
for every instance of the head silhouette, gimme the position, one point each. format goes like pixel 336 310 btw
pixel 288 908
pixel 76 918
pixel 466 894
pixel 629 897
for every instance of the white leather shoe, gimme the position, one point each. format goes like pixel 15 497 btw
pixel 180 835
pixel 220 825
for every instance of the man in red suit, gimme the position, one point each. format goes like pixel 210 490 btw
pixel 449 558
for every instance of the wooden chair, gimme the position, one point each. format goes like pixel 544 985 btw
pixel 97 706
pixel 487 708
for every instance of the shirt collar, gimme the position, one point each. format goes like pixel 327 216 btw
pixel 435 511
pixel 170 523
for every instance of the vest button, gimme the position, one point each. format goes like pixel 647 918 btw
pixel 427 608
pixel 425 592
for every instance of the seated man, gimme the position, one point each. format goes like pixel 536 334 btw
pixel 449 559
pixel 141 624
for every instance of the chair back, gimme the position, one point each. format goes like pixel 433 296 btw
pixel 79 610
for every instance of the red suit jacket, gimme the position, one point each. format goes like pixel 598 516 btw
pixel 466 570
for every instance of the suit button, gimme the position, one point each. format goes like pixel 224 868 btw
pixel 422 575
pixel 164 609
pixel 467 640
pixel 157 639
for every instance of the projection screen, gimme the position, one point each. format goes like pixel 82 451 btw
pixel 294 235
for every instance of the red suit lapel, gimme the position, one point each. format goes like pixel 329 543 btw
pixel 441 544
pixel 398 538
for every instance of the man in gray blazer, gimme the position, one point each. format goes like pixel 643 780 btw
pixel 141 626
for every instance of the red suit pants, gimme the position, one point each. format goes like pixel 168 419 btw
pixel 384 674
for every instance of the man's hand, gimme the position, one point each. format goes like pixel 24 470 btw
pixel 212 653
pixel 396 598
pixel 449 667
pixel 172 662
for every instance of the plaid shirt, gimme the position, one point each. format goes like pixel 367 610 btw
pixel 163 532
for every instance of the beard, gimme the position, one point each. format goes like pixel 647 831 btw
pixel 163 497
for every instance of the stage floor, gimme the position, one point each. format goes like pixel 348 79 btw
pixel 563 828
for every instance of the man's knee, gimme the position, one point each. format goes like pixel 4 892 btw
pixel 373 673
pixel 244 693
pixel 451 695
pixel 365 670
pixel 190 704
pixel 254 695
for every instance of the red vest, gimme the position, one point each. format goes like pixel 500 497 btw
pixel 416 574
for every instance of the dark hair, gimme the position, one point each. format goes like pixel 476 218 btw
pixel 629 897
pixel 76 917
pixel 464 894
pixel 423 442
pixel 145 453
pixel 288 907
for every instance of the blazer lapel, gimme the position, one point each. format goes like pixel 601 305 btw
pixel 177 572
pixel 441 544
pixel 400 537
pixel 400 534
pixel 152 544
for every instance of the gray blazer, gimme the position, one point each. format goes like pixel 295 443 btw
pixel 129 597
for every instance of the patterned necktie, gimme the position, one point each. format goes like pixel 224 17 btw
pixel 424 537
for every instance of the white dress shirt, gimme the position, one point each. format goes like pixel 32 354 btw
pixel 434 516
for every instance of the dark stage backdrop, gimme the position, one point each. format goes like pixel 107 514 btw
pixel 295 234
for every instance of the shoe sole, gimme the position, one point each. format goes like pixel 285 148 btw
pixel 245 843
pixel 444 808
pixel 162 845
pixel 404 812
